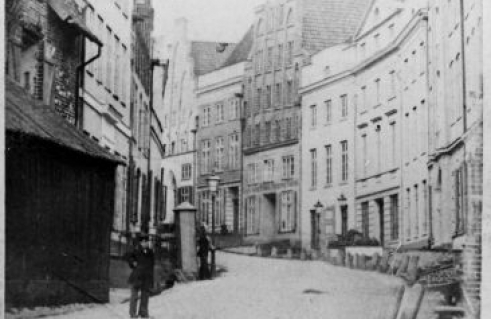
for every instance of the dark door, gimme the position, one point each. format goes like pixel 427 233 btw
pixel 235 203
pixel 314 217
pixel 380 204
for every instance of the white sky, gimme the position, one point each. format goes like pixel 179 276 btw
pixel 210 20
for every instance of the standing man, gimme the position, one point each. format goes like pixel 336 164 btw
pixel 141 278
pixel 204 247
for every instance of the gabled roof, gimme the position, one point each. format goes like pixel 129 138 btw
pixel 24 114
pixel 242 50
pixel 330 22
pixel 209 56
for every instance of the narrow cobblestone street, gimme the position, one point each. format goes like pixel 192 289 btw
pixel 253 287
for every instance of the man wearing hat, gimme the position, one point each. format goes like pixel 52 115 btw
pixel 141 279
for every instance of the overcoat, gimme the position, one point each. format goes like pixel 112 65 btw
pixel 142 262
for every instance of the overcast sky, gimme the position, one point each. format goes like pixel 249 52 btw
pixel 209 20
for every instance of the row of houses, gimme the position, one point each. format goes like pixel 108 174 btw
pixel 84 145
pixel 330 116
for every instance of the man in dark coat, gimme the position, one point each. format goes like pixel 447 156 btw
pixel 204 247
pixel 141 279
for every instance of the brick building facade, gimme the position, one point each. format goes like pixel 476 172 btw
pixel 455 166
pixel 285 34
pixel 219 139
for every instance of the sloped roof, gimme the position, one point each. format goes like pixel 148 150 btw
pixel 242 50
pixel 331 22
pixel 26 115
pixel 207 56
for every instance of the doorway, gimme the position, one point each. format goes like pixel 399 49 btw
pixel 380 205
pixel 315 233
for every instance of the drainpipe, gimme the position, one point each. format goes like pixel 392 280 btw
pixel 80 79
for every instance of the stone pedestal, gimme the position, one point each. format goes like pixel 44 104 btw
pixel 185 215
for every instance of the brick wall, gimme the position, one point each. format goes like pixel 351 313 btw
pixel 61 69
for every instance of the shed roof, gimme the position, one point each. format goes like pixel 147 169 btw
pixel 331 22
pixel 26 115
pixel 209 56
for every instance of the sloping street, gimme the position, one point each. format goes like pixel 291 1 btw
pixel 253 287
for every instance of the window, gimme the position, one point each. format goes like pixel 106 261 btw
pixel 408 214
pixel 328 164
pixel 205 158
pixel 258 98
pixel 206 116
pixel 344 161
pixel 257 134
pixel 268 131
pixel 289 56
pixel 288 128
pixel 269 65
pixel 365 220
pixel 259 60
pixel 219 160
pixel 278 94
pixel 328 104
pixel 344 105
pixel 394 216
pixel 124 75
pixel 278 130
pixel 234 151
pixel 460 216
pixel 313 116
pixel 234 109
pixel 287 215
pixel 313 167
pixel 253 173
pixel 288 167
pixel 252 212
pixel 269 96
pixel 289 92
pixel 220 113
pixel 269 170
pixel 279 63
pixel 425 208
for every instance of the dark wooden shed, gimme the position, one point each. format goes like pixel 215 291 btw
pixel 60 189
